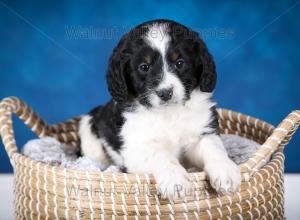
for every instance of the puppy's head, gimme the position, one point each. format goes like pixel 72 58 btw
pixel 159 63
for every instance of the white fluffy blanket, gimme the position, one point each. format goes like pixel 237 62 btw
pixel 49 150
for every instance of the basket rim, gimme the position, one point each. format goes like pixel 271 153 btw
pixel 276 138
pixel 113 176
pixel 18 156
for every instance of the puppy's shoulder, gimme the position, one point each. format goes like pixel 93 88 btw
pixel 102 111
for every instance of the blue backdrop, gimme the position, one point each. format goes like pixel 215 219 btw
pixel 54 55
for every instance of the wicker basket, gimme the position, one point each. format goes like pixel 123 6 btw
pixel 42 191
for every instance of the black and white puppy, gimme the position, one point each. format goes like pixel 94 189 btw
pixel 161 78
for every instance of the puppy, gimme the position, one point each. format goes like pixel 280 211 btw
pixel 161 78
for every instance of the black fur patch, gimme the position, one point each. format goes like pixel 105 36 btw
pixel 106 122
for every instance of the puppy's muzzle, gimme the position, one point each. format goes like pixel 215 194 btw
pixel 165 94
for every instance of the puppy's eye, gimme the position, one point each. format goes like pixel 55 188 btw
pixel 144 67
pixel 179 64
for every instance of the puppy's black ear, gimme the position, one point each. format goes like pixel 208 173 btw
pixel 205 66
pixel 116 73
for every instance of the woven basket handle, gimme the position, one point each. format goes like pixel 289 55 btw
pixel 276 141
pixel 11 105
pixel 64 132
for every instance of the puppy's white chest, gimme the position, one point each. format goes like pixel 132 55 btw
pixel 173 126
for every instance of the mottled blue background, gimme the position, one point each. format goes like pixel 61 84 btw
pixel 48 59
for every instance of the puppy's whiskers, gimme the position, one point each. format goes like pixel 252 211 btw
pixel 144 95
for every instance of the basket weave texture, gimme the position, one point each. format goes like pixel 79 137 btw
pixel 42 191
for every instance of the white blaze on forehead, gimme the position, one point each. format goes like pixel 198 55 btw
pixel 157 37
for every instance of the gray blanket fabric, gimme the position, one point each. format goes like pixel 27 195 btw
pixel 50 151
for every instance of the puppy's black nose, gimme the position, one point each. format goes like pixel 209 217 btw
pixel 165 94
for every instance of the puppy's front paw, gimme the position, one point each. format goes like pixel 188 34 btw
pixel 224 176
pixel 174 185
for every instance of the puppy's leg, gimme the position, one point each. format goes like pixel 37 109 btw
pixel 210 154
pixel 172 179
pixel 91 145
